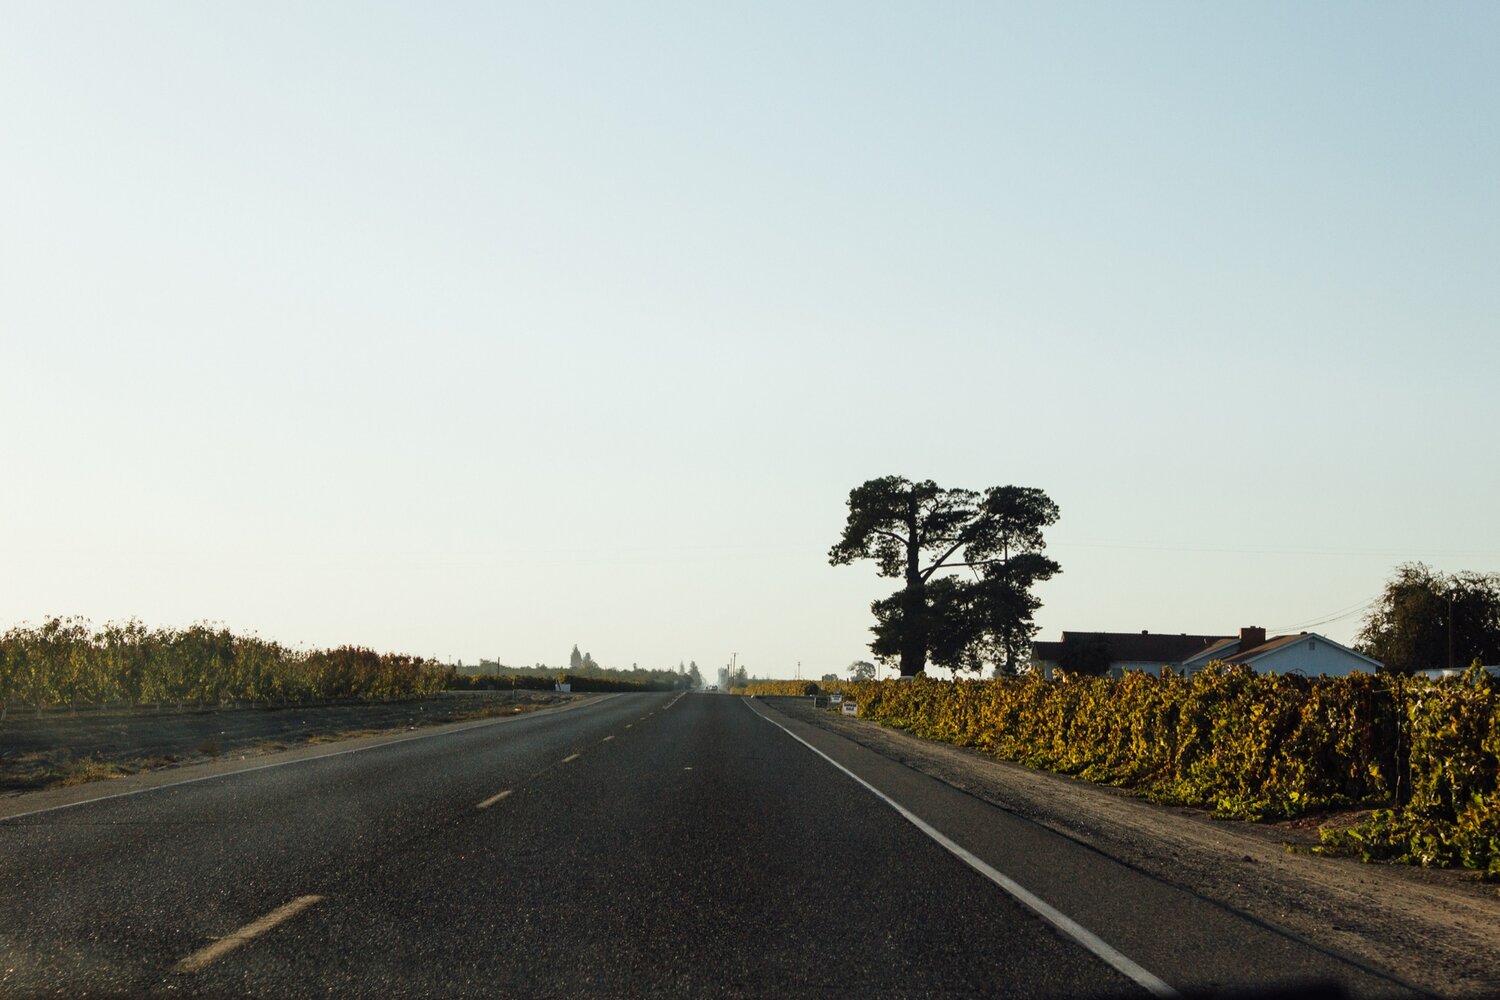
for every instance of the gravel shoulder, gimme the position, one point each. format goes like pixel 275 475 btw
pixel 60 750
pixel 1439 930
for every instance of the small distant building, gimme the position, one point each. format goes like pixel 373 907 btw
pixel 1305 653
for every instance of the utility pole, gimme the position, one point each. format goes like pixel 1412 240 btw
pixel 1451 594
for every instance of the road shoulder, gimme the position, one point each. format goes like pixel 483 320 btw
pixel 1438 930
pixel 16 806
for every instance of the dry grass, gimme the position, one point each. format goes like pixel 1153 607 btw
pixel 66 763
pixel 81 772
pixel 60 769
pixel 1313 823
pixel 351 734
pixel 490 711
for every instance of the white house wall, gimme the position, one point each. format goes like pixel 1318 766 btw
pixel 1197 662
pixel 1118 667
pixel 1311 657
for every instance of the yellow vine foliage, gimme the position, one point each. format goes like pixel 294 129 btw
pixel 1245 745
pixel 792 689
pixel 64 661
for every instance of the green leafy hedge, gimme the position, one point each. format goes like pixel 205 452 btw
pixel 1424 754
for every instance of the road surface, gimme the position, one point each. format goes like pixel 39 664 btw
pixel 656 845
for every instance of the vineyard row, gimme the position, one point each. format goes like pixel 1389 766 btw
pixel 65 662
pixel 1424 756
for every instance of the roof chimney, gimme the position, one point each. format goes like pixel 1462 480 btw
pixel 1250 637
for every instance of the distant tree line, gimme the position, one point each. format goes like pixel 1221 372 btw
pixel 583 672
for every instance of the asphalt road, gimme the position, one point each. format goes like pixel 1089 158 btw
pixel 631 845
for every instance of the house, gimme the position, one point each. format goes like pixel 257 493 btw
pixel 1305 653
pixel 1122 651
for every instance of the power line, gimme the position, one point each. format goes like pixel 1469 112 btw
pixel 1339 615
pixel 1267 551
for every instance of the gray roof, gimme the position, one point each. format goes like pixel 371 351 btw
pixel 1133 647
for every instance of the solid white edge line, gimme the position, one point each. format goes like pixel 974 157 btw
pixel 229 942
pixel 464 727
pixel 1072 928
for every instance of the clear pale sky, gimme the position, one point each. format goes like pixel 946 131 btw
pixel 480 330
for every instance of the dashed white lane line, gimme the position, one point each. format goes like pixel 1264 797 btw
pixel 629 724
pixel 607 739
pixel 204 956
pixel 1088 939
pixel 571 756
pixel 493 799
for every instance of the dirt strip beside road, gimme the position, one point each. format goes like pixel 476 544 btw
pixel 1436 929
pixel 59 749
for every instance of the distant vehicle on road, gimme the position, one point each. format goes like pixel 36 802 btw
pixel 712 688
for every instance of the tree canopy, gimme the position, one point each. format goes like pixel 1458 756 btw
pixel 922 533
pixel 1421 611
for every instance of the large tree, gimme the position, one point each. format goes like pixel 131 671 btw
pixel 922 534
pixel 1426 619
